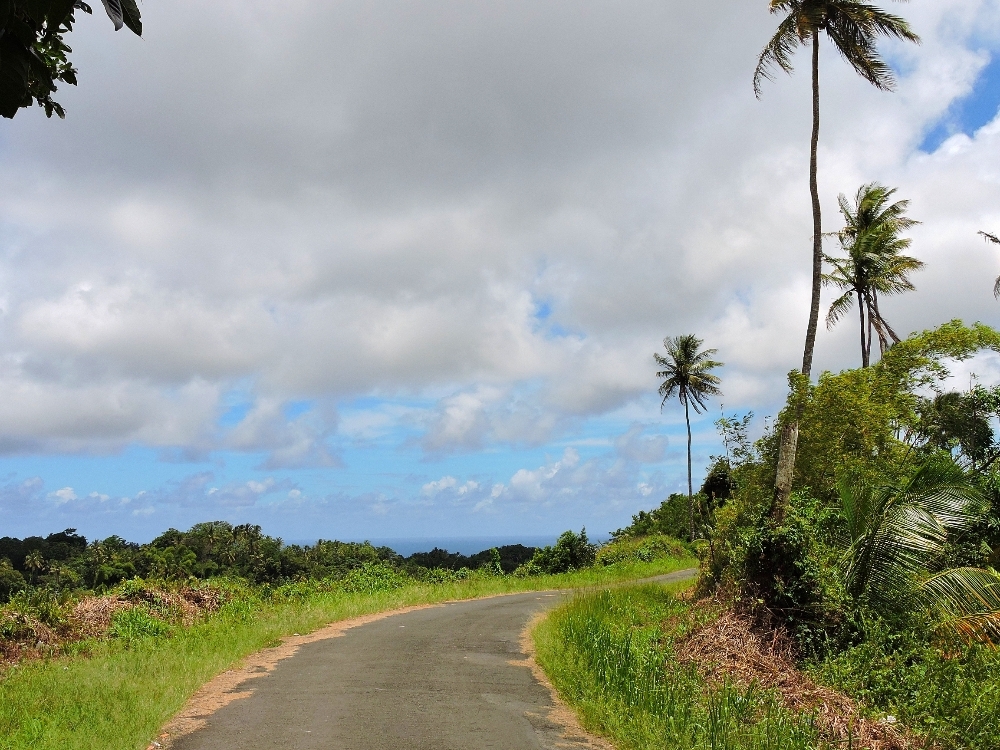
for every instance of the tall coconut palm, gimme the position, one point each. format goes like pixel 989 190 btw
pixel 874 262
pixel 854 28
pixel 685 373
pixel 996 241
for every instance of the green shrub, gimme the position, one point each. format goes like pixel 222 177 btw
pixel 11 581
pixel 372 578
pixel 640 549
pixel 136 624
pixel 16 626
pixel 40 604
pixel 570 552
pixel 951 695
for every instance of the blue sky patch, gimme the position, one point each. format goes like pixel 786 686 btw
pixel 968 114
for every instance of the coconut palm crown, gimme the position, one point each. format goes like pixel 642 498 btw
pixel 686 374
pixel 874 262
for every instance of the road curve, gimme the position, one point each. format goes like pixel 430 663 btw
pixel 449 677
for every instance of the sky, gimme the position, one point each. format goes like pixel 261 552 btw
pixel 372 269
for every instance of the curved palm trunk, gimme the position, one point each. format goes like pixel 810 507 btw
pixel 687 419
pixel 817 256
pixel 865 346
pixel 790 431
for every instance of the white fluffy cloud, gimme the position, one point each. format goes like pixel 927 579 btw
pixel 502 208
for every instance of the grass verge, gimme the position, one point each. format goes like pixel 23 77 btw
pixel 117 694
pixel 610 654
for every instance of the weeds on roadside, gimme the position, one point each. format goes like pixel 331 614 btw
pixel 610 655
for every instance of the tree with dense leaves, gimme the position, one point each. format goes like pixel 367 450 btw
pixel 854 28
pixel 686 374
pixel 34 56
pixel 874 262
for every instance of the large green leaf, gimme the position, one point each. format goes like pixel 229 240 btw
pixel 14 66
pixel 130 15
pixel 966 603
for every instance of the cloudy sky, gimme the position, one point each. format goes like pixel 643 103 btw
pixel 383 269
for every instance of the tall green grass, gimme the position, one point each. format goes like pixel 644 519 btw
pixel 121 692
pixel 610 655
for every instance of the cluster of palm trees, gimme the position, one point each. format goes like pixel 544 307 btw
pixel 874 262
pixel 889 546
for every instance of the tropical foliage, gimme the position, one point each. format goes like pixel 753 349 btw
pixel 874 262
pixel 34 55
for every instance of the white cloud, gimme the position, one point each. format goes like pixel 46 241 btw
pixel 65 495
pixel 478 219
pixel 632 446
pixel 444 483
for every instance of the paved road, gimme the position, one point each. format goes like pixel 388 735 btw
pixel 443 678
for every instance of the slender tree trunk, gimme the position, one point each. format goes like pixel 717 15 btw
pixel 817 254
pixel 861 313
pixel 790 431
pixel 868 348
pixel 687 419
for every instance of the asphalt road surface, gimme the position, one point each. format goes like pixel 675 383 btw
pixel 442 678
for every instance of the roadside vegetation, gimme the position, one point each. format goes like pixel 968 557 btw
pixel 107 666
pixel 848 594
pixel 866 614
pixel 614 656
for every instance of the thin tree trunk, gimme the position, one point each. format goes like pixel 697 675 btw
pixel 871 318
pixel 687 419
pixel 817 254
pixel 861 313
pixel 790 431
pixel 888 332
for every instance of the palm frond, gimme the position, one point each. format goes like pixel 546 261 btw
pixel 990 237
pixel 854 28
pixel 778 51
pixel 898 533
pixel 966 603
pixel 839 308
pixel 686 371
pixel 996 241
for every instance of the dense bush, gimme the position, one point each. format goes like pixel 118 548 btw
pixel 570 552
pixel 640 549
pixel 952 695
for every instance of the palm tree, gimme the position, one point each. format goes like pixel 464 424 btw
pixel 34 562
pixel 996 241
pixel 898 535
pixel 874 262
pixel 686 374
pixel 854 28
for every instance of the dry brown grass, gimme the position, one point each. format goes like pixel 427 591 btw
pixel 91 617
pixel 732 647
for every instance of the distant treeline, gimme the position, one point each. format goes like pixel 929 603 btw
pixel 67 561
pixel 511 557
